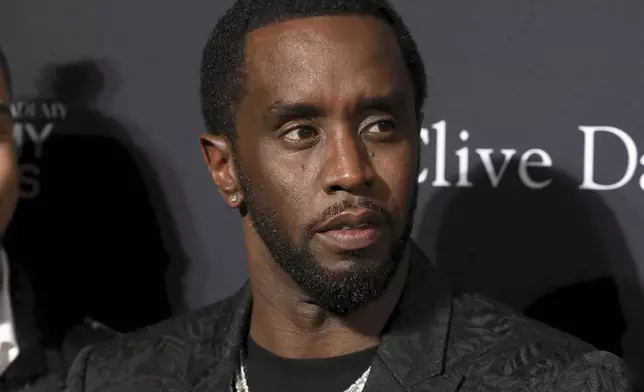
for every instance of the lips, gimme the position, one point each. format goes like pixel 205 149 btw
pixel 351 220
pixel 351 230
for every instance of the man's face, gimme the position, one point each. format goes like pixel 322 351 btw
pixel 327 154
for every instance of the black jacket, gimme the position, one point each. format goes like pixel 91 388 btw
pixel 436 341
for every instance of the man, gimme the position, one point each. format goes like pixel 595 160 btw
pixel 314 109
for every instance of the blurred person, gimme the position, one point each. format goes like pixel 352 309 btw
pixel 9 191
pixel 314 109
pixel 24 363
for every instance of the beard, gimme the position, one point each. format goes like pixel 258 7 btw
pixel 341 291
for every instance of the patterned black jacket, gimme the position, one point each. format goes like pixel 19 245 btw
pixel 436 341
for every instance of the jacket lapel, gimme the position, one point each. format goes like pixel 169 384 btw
pixel 215 360
pixel 412 352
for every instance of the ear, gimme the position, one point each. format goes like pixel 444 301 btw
pixel 219 157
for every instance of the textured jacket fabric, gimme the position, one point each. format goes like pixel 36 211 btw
pixel 436 340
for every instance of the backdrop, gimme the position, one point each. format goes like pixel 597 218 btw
pixel 533 181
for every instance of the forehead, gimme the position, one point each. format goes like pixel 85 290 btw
pixel 330 57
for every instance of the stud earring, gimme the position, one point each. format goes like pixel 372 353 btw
pixel 233 198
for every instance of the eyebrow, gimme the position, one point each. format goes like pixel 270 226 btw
pixel 281 112
pixel 384 103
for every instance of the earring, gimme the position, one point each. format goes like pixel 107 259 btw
pixel 233 198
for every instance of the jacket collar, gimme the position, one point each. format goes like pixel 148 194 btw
pixel 413 347
pixel 224 345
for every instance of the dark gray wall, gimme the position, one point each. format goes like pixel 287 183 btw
pixel 516 74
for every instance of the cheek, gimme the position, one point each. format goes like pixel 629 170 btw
pixel 398 171
pixel 289 188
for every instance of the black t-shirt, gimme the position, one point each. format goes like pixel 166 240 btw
pixel 267 372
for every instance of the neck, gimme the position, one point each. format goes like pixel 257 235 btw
pixel 285 322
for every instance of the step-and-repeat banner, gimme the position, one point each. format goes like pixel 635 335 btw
pixel 532 177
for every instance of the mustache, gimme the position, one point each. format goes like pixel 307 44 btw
pixel 343 205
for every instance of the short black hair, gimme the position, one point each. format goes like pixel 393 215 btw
pixel 4 67
pixel 222 67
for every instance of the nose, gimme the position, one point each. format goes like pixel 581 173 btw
pixel 348 166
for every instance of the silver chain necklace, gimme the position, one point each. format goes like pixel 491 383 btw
pixel 241 385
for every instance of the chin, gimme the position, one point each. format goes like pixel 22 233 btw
pixel 343 283
pixel 349 262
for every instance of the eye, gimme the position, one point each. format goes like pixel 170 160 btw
pixel 380 127
pixel 301 134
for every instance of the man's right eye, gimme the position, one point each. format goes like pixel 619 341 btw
pixel 301 134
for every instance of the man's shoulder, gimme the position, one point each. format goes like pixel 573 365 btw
pixel 164 348
pixel 497 346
